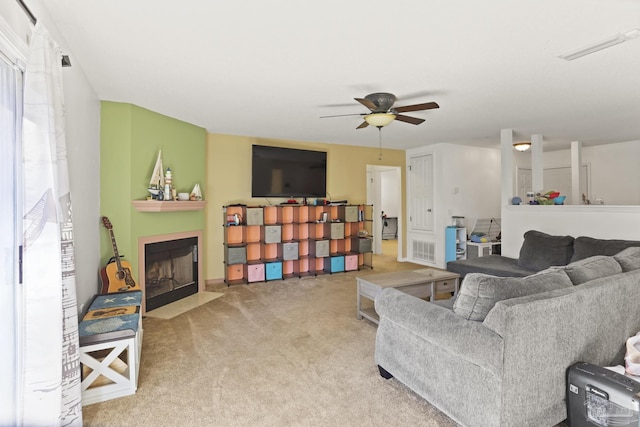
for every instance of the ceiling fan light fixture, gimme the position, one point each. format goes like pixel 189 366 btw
pixel 379 119
pixel 522 146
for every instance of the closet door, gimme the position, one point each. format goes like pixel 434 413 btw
pixel 421 216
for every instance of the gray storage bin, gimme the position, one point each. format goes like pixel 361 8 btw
pixel 272 233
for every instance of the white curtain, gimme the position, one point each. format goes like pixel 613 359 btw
pixel 51 372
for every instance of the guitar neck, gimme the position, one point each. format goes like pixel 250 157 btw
pixel 116 255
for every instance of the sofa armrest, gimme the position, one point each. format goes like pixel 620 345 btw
pixel 499 317
pixel 440 326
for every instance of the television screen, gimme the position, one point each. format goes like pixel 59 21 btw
pixel 288 172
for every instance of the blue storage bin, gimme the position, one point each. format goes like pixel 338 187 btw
pixel 273 270
pixel 334 264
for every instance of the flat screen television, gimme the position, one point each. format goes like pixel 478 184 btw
pixel 288 172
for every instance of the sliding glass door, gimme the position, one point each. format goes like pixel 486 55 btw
pixel 11 202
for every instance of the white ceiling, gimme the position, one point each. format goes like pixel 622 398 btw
pixel 272 68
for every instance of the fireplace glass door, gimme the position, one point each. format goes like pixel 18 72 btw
pixel 171 271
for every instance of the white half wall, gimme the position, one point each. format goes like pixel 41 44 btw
pixel 598 221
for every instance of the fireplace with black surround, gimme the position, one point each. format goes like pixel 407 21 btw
pixel 170 271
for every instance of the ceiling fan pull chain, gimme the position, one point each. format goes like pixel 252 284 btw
pixel 380 142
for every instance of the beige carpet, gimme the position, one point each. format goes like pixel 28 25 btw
pixel 179 307
pixel 282 353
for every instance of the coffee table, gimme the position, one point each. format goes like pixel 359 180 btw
pixel 423 283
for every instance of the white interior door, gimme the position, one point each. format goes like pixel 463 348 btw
pixel 421 190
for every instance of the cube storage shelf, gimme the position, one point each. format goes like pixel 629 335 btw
pixel 263 243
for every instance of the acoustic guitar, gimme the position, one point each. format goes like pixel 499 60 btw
pixel 116 276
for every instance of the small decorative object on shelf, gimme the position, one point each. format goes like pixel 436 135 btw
pixel 457 221
pixel 530 197
pixel 549 198
pixel 156 183
pixel 196 194
pixel 168 188
pixel 234 219
pixel 164 196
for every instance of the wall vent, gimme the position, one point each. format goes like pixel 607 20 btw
pixel 423 251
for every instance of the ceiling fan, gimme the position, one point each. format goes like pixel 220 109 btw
pixel 382 110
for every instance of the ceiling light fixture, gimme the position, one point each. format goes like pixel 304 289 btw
pixel 602 44
pixel 522 146
pixel 379 119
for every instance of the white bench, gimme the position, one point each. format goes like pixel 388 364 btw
pixel 110 346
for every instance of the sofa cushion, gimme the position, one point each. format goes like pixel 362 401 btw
pixel 480 292
pixel 585 247
pixel 629 259
pixel 446 303
pixel 495 265
pixel 541 250
pixel 592 268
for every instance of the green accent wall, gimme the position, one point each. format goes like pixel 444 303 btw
pixel 130 138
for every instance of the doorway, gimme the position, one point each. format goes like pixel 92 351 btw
pixel 384 192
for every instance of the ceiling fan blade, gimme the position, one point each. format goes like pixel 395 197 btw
pixel 417 107
pixel 408 119
pixel 420 94
pixel 367 103
pixel 342 115
pixel 344 104
pixel 363 125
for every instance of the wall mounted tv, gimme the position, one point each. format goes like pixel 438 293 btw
pixel 288 172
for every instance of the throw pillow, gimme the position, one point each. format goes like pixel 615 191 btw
pixel 480 292
pixel 629 259
pixel 541 250
pixel 585 247
pixel 592 268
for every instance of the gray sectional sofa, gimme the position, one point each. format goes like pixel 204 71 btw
pixel 539 251
pixel 497 354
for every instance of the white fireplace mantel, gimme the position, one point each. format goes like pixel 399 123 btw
pixel 168 206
